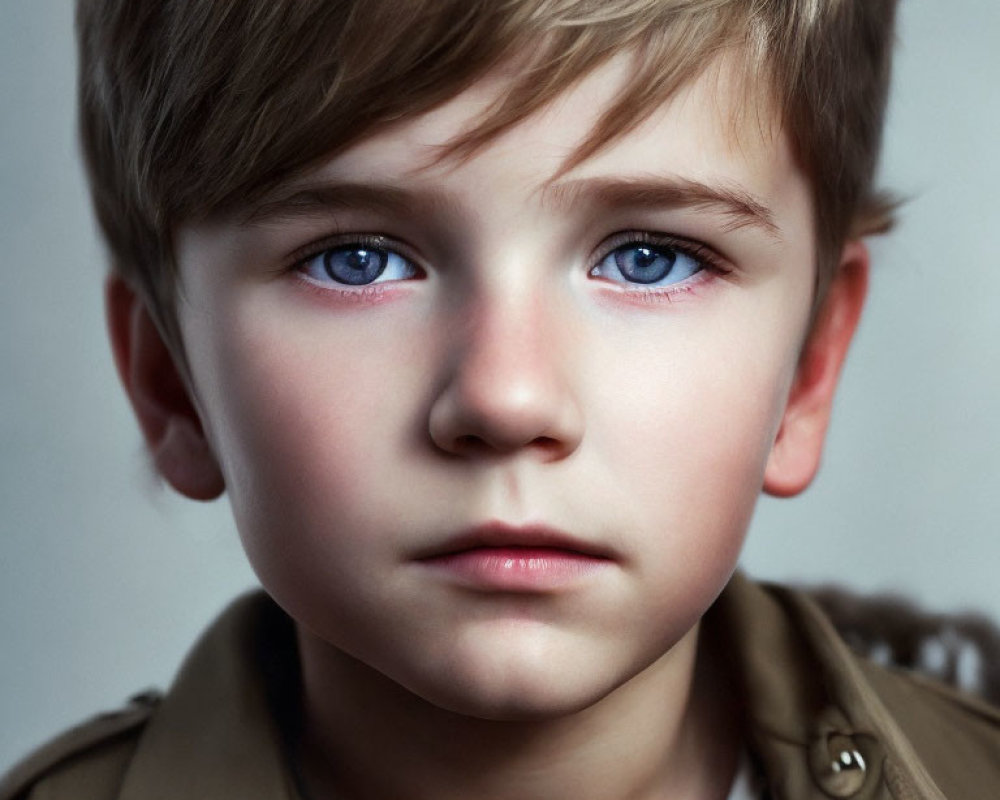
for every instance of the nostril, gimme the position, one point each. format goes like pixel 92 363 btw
pixel 474 445
pixel 471 444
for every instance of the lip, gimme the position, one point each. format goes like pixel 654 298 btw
pixel 508 558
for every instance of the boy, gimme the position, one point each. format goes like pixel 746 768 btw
pixel 492 368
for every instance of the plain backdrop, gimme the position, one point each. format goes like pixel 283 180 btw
pixel 105 579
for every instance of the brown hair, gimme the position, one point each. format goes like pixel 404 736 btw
pixel 191 107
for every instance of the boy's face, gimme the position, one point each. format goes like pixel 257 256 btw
pixel 512 470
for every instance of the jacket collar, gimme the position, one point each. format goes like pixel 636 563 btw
pixel 215 733
pixel 816 725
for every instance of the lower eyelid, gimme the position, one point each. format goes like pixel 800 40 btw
pixel 331 294
pixel 636 292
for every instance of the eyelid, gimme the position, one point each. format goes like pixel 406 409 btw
pixel 692 248
pixel 375 241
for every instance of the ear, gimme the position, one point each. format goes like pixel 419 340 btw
pixel 159 395
pixel 795 456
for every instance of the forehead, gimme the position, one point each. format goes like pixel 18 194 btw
pixel 717 132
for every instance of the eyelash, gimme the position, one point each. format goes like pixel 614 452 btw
pixel 302 258
pixel 706 258
pixel 689 247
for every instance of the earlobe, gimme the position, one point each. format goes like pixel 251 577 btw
pixel 169 421
pixel 795 455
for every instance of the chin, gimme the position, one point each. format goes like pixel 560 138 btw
pixel 538 707
pixel 516 692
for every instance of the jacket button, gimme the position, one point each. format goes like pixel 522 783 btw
pixel 837 765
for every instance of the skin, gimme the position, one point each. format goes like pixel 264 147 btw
pixel 501 379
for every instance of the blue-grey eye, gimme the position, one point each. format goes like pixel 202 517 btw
pixel 358 264
pixel 647 264
pixel 354 265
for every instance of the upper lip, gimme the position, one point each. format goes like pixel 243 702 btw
pixel 502 534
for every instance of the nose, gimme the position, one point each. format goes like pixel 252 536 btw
pixel 508 385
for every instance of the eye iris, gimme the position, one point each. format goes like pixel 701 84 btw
pixel 644 264
pixel 355 265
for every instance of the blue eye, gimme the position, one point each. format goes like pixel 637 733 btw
pixel 647 264
pixel 358 264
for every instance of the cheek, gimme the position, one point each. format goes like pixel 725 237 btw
pixel 301 425
pixel 700 431
pixel 683 445
pixel 690 427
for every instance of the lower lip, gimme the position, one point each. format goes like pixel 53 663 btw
pixel 517 569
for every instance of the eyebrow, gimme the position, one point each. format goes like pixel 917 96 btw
pixel 319 199
pixel 741 207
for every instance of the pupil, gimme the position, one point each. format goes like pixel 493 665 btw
pixel 645 258
pixel 358 260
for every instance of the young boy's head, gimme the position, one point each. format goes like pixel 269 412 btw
pixel 493 318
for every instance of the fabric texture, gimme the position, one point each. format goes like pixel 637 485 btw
pixel 820 721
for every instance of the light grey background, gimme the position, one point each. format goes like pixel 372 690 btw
pixel 105 580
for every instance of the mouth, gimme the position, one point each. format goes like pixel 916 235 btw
pixel 507 558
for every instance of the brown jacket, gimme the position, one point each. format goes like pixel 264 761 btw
pixel 823 723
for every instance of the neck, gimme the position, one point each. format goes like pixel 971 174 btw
pixel 667 732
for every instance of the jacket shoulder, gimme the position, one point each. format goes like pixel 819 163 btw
pixel 937 676
pixel 87 762
pixel 957 735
